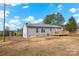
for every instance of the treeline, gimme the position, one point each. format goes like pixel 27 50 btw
pixel 8 32
pixel 58 19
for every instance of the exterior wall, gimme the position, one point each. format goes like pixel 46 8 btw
pixel 25 31
pixel 78 31
pixel 59 29
pixel 32 31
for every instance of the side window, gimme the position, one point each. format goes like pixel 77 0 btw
pixel 42 30
pixel 36 30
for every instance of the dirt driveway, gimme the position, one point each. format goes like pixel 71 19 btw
pixel 44 46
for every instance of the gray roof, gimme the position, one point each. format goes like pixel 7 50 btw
pixel 41 25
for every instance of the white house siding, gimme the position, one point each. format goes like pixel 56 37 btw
pixel 54 30
pixel 25 31
pixel 59 29
pixel 47 31
pixel 32 31
pixel 78 31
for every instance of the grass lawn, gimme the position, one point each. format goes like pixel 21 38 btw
pixel 44 46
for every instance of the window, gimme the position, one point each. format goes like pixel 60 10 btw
pixel 42 30
pixel 36 30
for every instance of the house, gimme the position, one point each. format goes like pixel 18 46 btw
pixel 40 29
pixel 77 30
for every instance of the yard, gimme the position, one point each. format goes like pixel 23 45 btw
pixel 41 46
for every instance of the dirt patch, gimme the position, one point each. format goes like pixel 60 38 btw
pixel 46 46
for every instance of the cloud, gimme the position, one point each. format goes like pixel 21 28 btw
pixel 6 24
pixel 38 21
pixel 1 26
pixel 13 4
pixel 75 15
pixel 60 7
pixel 51 4
pixel 31 19
pixel 16 17
pixel 25 6
pixel 12 25
pixel 0 23
pixel 77 20
pixel 7 12
pixel 1 5
pixel 14 21
pixel 2 13
pixel 73 10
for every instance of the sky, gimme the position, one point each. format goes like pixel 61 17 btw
pixel 17 14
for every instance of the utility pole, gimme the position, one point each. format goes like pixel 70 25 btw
pixel 4 25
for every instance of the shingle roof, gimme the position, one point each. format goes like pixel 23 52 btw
pixel 41 25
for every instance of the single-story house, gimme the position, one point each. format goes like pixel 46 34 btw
pixel 40 29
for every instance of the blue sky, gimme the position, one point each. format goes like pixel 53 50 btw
pixel 18 14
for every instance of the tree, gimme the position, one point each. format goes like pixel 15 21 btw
pixel 56 19
pixel 71 26
pixel 7 31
